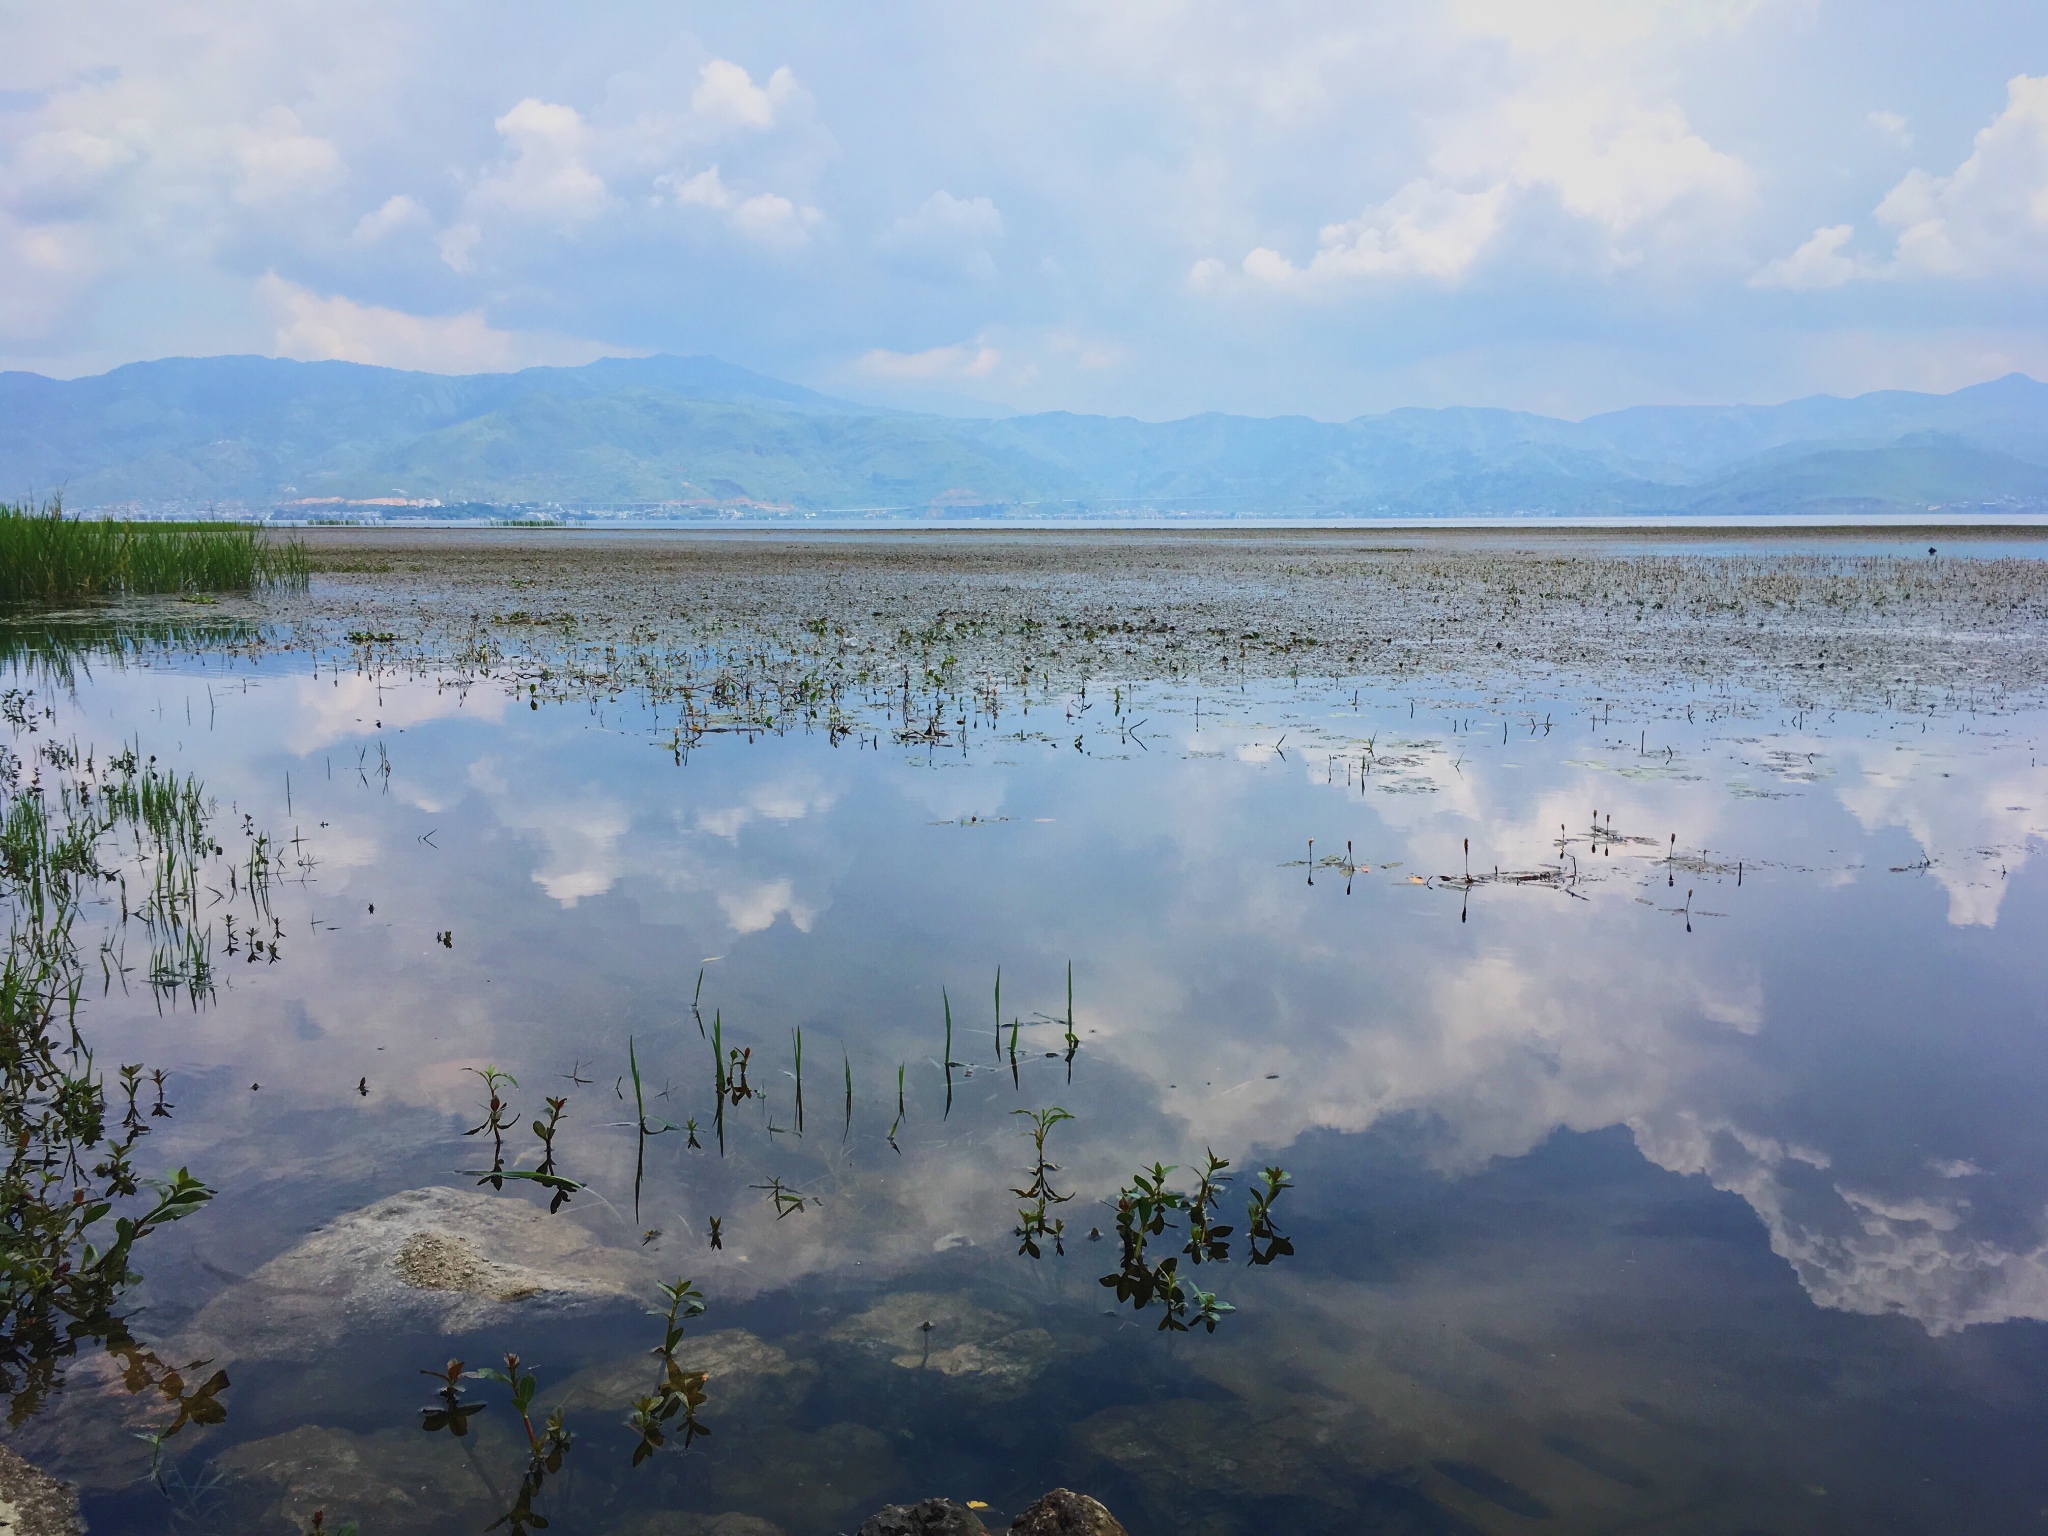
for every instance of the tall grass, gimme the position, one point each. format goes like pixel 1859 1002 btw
pixel 48 557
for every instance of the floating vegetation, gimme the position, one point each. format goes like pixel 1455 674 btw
pixel 48 557
pixel 1144 1209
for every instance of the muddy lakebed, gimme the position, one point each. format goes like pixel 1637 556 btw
pixel 1627 953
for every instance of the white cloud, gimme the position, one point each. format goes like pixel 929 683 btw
pixel 945 217
pixel 278 160
pixel 958 362
pixel 546 176
pixel 1421 231
pixel 1987 218
pixel 1610 159
pixel 393 214
pixel 1817 264
pixel 1636 176
pixel 310 327
pixel 1597 25
pixel 766 217
pixel 1991 214
pixel 1892 126
pixel 949 233
pixel 60 169
pixel 727 96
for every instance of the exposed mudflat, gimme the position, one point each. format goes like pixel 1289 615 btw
pixel 1814 616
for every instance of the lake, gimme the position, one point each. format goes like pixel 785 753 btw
pixel 1644 1023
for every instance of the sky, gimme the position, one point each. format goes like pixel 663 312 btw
pixel 1147 208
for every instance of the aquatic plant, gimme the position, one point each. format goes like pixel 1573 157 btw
pixel 1143 1211
pixel 642 1128
pixel 74 1200
pixel 677 1391
pixel 48 557
pixel 498 1119
pixel 545 1175
pixel 1032 1227
pixel 454 1414
pixel 545 1447
pixel 785 1200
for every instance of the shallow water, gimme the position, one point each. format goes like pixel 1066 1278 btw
pixel 1660 1085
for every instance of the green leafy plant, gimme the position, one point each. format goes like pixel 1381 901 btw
pixel 1144 1211
pixel 1033 1228
pixel 678 1393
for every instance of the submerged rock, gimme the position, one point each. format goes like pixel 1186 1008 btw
pixel 33 1503
pixel 392 1482
pixel 442 1260
pixel 1185 1453
pixel 90 1431
pixel 676 1522
pixel 968 1345
pixel 1064 1512
pixel 930 1517
pixel 744 1374
pixel 815 1480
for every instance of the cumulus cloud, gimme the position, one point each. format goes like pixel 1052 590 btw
pixel 545 175
pixel 278 159
pixel 1817 264
pixel 1634 175
pixel 972 361
pixel 311 327
pixel 1986 219
pixel 947 232
pixel 727 96
pixel 1423 230
pixel 1990 215
pixel 61 170
pixel 393 214
pixel 1892 126
pixel 765 217
pixel 1597 25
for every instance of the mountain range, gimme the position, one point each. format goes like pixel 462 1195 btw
pixel 688 437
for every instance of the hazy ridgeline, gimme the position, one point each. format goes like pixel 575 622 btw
pixel 48 557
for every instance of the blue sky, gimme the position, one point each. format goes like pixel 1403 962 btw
pixel 1149 208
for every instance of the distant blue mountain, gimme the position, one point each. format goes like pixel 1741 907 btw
pixel 696 436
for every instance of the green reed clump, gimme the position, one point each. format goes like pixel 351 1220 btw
pixel 48 557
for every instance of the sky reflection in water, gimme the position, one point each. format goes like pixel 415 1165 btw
pixel 1508 1108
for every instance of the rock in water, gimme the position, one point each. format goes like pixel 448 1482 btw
pixel 450 1261
pixel 1064 1512
pixel 744 1374
pixel 932 1517
pixel 33 1503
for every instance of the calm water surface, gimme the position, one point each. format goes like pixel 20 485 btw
pixel 1692 1181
